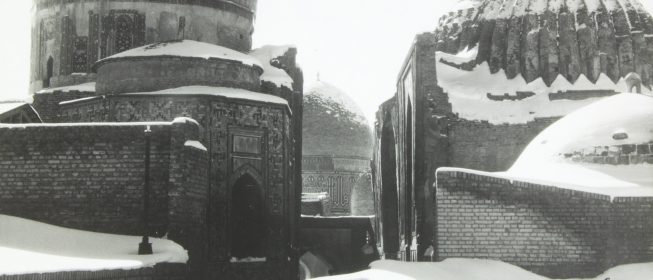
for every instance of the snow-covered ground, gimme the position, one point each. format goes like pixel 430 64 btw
pixel 467 91
pixel 476 269
pixel 31 247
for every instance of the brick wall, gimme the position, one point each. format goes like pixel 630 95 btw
pixel 47 104
pixel 548 230
pixel 90 176
pixel 159 272
pixel 489 147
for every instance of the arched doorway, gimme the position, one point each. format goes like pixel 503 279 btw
pixel 389 193
pixel 247 225
pixel 49 72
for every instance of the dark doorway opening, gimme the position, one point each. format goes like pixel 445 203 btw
pixel 49 71
pixel 247 219
pixel 389 194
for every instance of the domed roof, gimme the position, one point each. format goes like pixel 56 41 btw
pixel 607 144
pixel 548 38
pixel 333 124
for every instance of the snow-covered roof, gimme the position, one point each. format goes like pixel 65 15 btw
pixel 266 55
pixel 187 48
pixel 555 156
pixel 476 269
pixel 6 106
pixel 230 93
pixel 28 247
pixel 85 87
pixel 468 92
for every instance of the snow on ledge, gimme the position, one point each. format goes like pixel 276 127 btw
pixel 186 48
pixel 226 92
pixel 28 247
pixel 247 260
pixel 600 183
pixel 195 144
pixel 86 87
pixel 182 120
pixel 266 55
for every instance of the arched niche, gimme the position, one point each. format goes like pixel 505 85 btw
pixel 389 193
pixel 247 223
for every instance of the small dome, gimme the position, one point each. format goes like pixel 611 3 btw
pixel 607 144
pixel 333 124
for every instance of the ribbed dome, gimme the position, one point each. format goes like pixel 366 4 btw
pixel 333 124
pixel 547 38
pixel 605 144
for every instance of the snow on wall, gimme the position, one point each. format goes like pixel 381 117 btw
pixel 31 247
pixel 468 90
pixel 266 55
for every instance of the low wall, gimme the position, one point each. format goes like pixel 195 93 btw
pixel 548 230
pixel 91 176
pixel 160 271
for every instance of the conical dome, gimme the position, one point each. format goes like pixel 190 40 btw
pixel 333 124
pixel 548 38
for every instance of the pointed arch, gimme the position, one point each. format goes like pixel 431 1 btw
pixel 248 222
pixel 389 191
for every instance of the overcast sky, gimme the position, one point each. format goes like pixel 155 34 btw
pixel 356 45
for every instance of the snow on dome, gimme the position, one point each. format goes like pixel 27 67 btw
pixel 604 147
pixel 187 48
pixel 475 269
pixel 28 247
pixel 336 99
pixel 333 124
pixel 266 55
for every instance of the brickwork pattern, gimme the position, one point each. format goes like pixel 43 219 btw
pixel 548 230
pixel 85 177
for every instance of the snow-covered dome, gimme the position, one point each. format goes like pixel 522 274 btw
pixel 333 124
pixel 608 144
pixel 548 38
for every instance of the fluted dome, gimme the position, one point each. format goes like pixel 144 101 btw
pixel 548 38
pixel 606 145
pixel 333 124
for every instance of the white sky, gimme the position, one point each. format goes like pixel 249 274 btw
pixel 356 45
